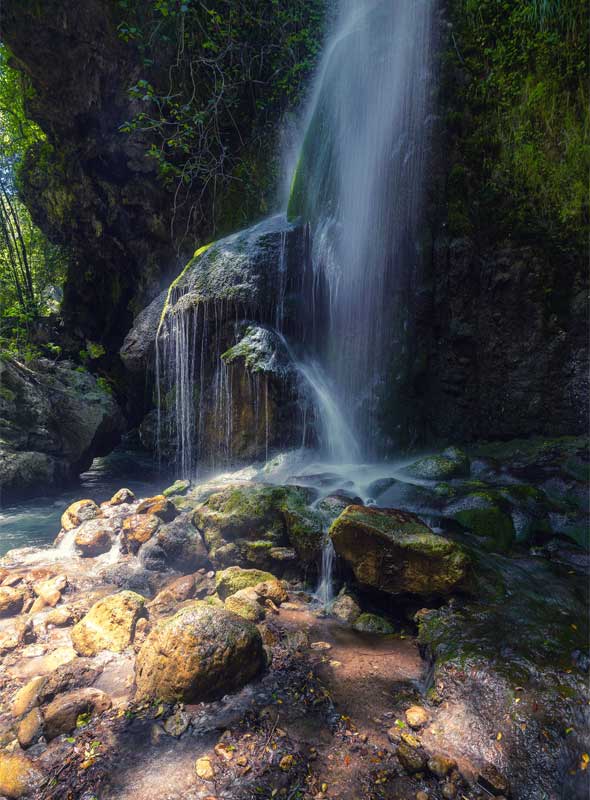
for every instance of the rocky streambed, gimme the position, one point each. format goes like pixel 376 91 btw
pixel 173 647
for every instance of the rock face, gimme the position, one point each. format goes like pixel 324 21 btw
pixel 54 420
pixel 199 653
pixel 109 625
pixel 394 552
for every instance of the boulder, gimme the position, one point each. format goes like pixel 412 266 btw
pixel 158 505
pixel 93 539
pixel 177 545
pixel 11 600
pixel 30 728
pixel 451 463
pixel 79 512
pixel 137 530
pixel 109 625
pixel 345 607
pixel 395 552
pixel 254 519
pixel 177 489
pixel 247 604
pixel 19 776
pixel 27 697
pixel 61 715
pixel 487 517
pixel 50 590
pixel 232 579
pixel 200 653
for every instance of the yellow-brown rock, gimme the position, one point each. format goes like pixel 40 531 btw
pixel 50 590
pixel 61 715
pixel 79 512
pixel 11 600
pixel 18 775
pixel 121 497
pixel 138 529
pixel 30 728
pixel 27 697
pixel 93 538
pixel 158 505
pixel 109 625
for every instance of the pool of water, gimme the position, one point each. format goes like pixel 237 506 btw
pixel 36 522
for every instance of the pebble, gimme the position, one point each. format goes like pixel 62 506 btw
pixel 204 769
pixel 320 646
pixel 410 759
pixel 416 717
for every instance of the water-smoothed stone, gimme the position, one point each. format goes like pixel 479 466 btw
pixel 346 607
pixel 177 545
pixel 93 538
pixel 79 512
pixel 395 552
pixel 233 579
pixel 178 489
pixel 175 592
pixel 50 590
pixel 452 463
pixel 61 715
pixel 200 653
pixel 11 600
pixel 158 505
pixel 411 759
pixel 416 716
pixel 247 604
pixel 109 625
pixel 19 776
pixel 373 623
pixel 27 697
pixel 122 497
pixel 440 765
pixel 30 728
pixel 79 673
pixel 137 530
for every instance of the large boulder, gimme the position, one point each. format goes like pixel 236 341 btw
pixel 79 512
pixel 176 545
pixel 395 552
pixel 54 419
pixel 244 524
pixel 19 776
pixel 109 625
pixel 451 463
pixel 233 579
pixel 200 653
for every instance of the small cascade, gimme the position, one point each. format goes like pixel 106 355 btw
pixel 325 590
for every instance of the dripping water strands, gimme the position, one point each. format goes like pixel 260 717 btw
pixel 325 591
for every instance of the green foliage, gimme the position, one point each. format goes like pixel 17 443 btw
pixel 218 75
pixel 29 265
pixel 519 123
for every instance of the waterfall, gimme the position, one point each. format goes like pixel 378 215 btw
pixel 359 183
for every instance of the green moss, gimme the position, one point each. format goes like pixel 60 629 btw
pixel 373 623
pixel 198 253
pixel 177 488
pixel 231 580
pixel 490 523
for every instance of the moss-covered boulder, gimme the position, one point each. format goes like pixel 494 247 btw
pixel 200 653
pixel 395 552
pixel 233 579
pixel 256 518
pixel 481 514
pixel 451 463
pixel 246 603
pixel 373 623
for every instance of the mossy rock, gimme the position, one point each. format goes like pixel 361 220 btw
pixel 373 623
pixel 452 463
pixel 395 552
pixel 233 579
pixel 480 514
pixel 178 488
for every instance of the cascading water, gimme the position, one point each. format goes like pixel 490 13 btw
pixel 359 183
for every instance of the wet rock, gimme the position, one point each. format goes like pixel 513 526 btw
pixel 177 545
pixel 271 590
pixel 80 672
pixel 109 625
pixel 59 617
pixel 199 653
pixel 177 488
pixel 232 579
pixel 452 463
pixel 416 717
pixel 79 512
pixel 158 505
pixel 493 781
pixel 480 513
pixel 11 600
pixel 27 697
pixel 276 515
pixel 379 487
pixel 373 623
pixel 345 607
pixel 61 715
pixel 175 592
pixel 12 637
pixel 123 496
pixel 245 603
pixel 334 504
pixel 440 765
pixel 30 728
pixel 18 775
pixel 411 759
pixel 50 590
pixel 395 552
pixel 137 530
pixel 93 538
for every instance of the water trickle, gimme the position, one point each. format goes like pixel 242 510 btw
pixel 325 590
